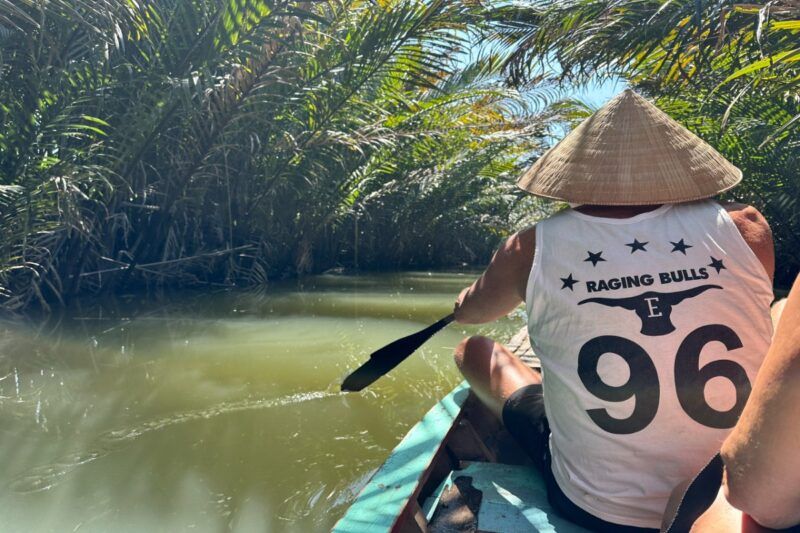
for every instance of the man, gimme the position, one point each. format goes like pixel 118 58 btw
pixel 648 307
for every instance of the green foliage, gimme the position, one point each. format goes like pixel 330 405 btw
pixel 185 142
pixel 728 71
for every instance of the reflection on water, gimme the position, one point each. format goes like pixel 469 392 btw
pixel 217 412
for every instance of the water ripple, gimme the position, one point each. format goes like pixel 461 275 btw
pixel 44 477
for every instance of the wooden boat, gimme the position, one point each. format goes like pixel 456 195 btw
pixel 457 470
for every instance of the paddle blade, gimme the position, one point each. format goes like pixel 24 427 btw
pixel 383 360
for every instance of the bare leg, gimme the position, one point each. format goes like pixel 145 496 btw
pixel 493 372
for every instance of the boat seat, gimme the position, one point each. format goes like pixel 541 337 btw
pixel 494 497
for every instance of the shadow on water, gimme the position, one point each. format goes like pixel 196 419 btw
pixel 215 412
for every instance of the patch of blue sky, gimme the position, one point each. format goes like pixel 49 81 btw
pixel 594 93
pixel 598 93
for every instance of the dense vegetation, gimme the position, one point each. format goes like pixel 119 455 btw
pixel 185 142
pixel 728 71
pixel 154 143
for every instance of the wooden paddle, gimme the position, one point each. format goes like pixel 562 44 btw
pixel 383 360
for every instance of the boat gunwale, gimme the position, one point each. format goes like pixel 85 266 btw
pixel 383 503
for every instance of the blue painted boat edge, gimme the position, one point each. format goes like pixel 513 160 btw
pixel 385 498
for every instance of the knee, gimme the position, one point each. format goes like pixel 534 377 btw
pixel 473 349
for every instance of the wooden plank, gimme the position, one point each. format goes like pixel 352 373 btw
pixel 387 496
pixel 520 345
pixel 466 444
pixel 433 500
pixel 457 511
pixel 514 498
pixel 415 521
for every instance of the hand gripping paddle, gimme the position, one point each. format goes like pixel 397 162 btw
pixel 383 360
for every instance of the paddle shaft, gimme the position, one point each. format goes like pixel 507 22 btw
pixel 385 359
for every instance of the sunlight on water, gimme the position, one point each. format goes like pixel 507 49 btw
pixel 216 412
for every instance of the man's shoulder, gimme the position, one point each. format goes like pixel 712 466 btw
pixel 749 221
pixel 521 244
pixel 755 231
pixel 744 215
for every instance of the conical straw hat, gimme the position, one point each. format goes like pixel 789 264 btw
pixel 630 153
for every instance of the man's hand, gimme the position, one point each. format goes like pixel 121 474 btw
pixel 457 304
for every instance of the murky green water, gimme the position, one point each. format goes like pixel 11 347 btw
pixel 218 412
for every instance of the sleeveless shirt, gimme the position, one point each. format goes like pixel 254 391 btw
pixel 650 331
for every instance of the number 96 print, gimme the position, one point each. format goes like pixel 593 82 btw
pixel 643 384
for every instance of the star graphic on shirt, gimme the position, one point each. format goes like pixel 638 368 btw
pixel 636 245
pixel 594 258
pixel 568 283
pixel 717 263
pixel 680 246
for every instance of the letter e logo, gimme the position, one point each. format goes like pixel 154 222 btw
pixel 652 308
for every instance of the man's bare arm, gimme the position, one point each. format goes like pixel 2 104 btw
pixel 501 288
pixel 756 233
pixel 762 466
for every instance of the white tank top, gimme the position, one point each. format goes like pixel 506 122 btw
pixel 650 331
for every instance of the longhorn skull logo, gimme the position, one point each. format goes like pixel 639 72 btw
pixel 653 308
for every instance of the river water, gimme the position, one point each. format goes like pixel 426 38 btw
pixel 216 412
